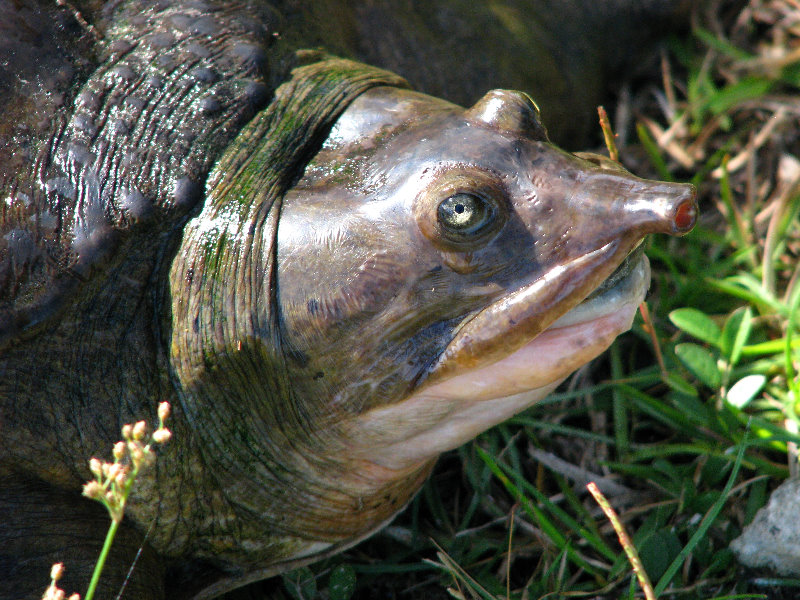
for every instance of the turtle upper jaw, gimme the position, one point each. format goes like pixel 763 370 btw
pixel 442 415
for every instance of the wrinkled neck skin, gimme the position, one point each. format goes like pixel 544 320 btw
pixel 390 335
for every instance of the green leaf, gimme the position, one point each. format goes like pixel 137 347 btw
pixel 770 347
pixel 794 309
pixel 342 582
pixel 697 324
pixel 751 289
pixel 654 153
pixel 720 44
pixel 720 561
pixel 679 384
pixel 700 362
pixel 735 334
pixel 552 530
pixel 452 568
pixel 657 551
pixel 705 523
pixel 756 498
pixel 300 583
pixel 744 390
pixel 736 93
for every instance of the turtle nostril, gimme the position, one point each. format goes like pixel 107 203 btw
pixel 685 216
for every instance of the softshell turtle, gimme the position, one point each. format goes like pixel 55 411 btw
pixel 332 278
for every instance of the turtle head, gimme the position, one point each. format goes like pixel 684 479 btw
pixel 443 268
pixel 428 273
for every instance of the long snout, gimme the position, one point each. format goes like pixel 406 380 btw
pixel 636 205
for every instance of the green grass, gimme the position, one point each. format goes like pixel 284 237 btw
pixel 688 452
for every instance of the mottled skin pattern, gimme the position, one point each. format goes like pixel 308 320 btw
pixel 106 147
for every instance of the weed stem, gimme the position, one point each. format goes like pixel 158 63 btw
pixel 101 560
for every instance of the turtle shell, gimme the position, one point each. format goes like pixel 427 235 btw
pixel 94 167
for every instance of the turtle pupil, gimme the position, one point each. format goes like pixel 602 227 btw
pixel 465 215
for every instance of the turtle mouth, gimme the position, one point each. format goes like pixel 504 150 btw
pixel 627 280
pixel 621 272
pixel 555 351
pixel 515 321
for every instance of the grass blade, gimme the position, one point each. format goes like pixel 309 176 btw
pixel 706 523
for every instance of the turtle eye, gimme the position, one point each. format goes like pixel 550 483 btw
pixel 461 208
pixel 463 216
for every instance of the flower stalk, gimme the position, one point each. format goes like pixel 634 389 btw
pixel 111 487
